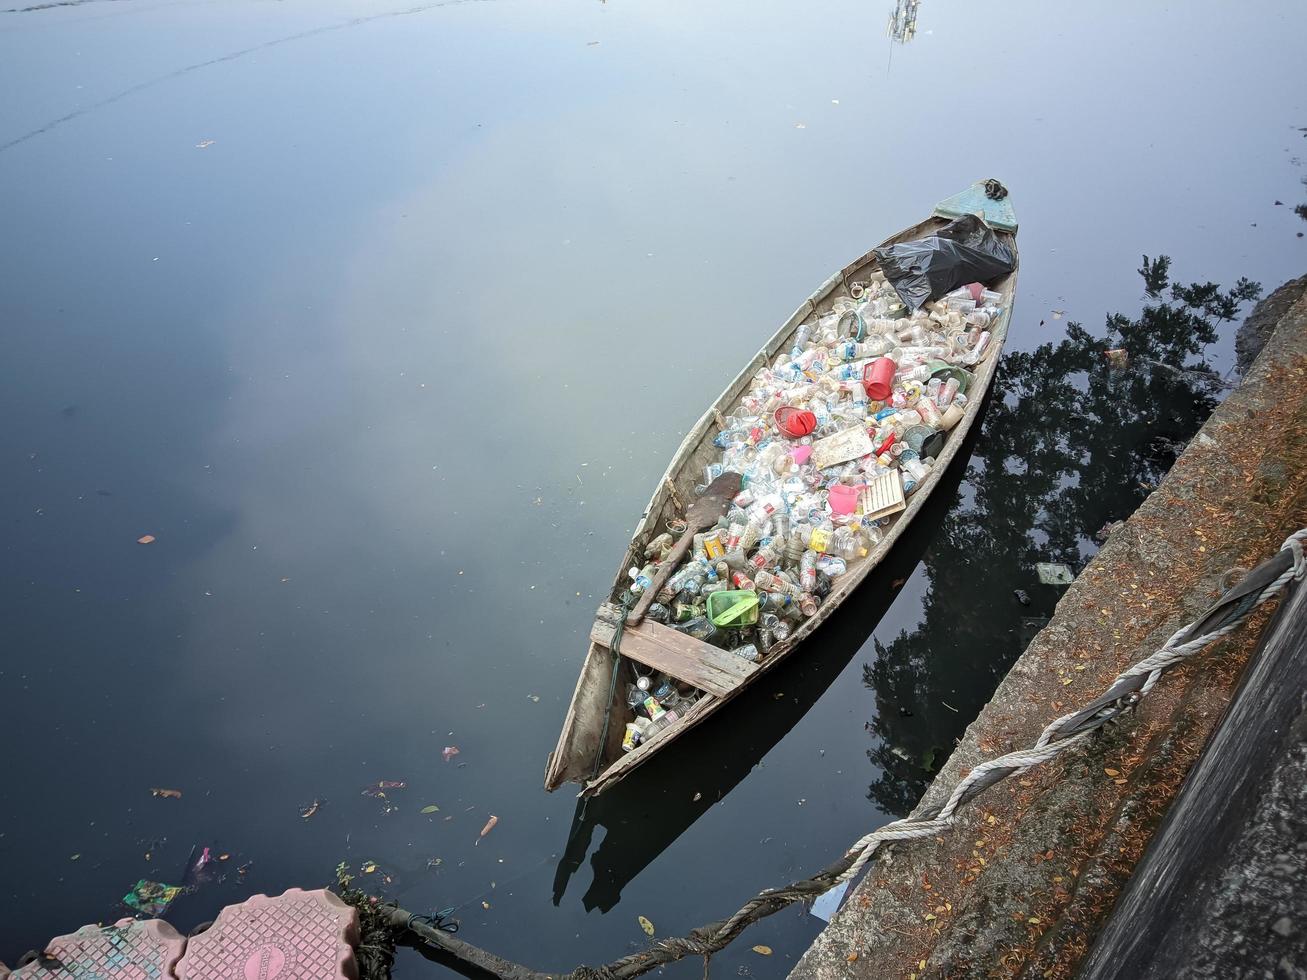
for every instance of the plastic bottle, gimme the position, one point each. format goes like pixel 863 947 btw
pixel 858 398
pixel 794 548
pixel 684 612
pixel 808 571
pixel 774 583
pixel 848 543
pixel 660 547
pixel 800 339
pixel 821 534
pixel 642 578
pixel 748 652
pixel 832 565
pixel 779 628
pixel 734 535
pixel 947 392
pixel 742 582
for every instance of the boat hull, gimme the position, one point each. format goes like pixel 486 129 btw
pixel 595 714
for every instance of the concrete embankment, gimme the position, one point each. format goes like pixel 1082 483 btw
pixel 1022 885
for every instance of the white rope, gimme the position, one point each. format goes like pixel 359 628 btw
pixel 1045 748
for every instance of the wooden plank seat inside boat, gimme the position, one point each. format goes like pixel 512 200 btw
pixel 702 665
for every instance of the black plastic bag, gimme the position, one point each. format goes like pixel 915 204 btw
pixel 965 250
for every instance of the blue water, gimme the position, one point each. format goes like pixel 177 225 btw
pixel 384 318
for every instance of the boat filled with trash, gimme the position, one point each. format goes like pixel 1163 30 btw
pixel 794 484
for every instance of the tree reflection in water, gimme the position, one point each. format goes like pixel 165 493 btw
pixel 1070 443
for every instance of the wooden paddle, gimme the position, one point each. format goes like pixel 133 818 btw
pixel 703 514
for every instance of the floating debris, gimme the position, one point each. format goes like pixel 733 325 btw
pixel 151 898
pixel 1053 573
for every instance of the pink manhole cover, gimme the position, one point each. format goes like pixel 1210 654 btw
pixel 296 936
pixel 128 950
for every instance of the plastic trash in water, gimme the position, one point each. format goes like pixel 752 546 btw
pixel 151 898
pixel 1054 573
pixel 828 903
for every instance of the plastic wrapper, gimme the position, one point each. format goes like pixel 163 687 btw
pixel 965 250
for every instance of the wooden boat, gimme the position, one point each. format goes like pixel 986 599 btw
pixel 599 712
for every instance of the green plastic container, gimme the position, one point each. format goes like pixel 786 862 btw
pixel 943 370
pixel 733 609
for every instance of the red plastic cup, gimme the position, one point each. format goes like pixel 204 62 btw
pixel 878 378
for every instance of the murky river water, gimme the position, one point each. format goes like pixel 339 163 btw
pixel 382 319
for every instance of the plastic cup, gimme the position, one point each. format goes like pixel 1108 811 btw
pixel 843 498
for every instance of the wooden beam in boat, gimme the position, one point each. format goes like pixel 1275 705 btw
pixel 691 661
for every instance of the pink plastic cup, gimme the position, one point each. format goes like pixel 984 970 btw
pixel 843 499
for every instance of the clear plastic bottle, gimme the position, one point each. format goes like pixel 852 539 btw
pixel 660 547
pixel 858 398
pixel 832 565
pixel 779 628
pixel 794 547
pixel 800 339
pixel 819 540
pixel 808 571
pixel 947 392
pixel 848 543
pixel 642 578
pixel 775 583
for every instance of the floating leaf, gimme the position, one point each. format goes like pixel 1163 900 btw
pixel 762 950
pixel 167 794
pixel 312 808
pixel 368 867
pixel 430 808
pixel 645 924
pixel 145 539
pixel 490 825
pixel 449 753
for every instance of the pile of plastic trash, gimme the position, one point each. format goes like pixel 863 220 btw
pixel 830 440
